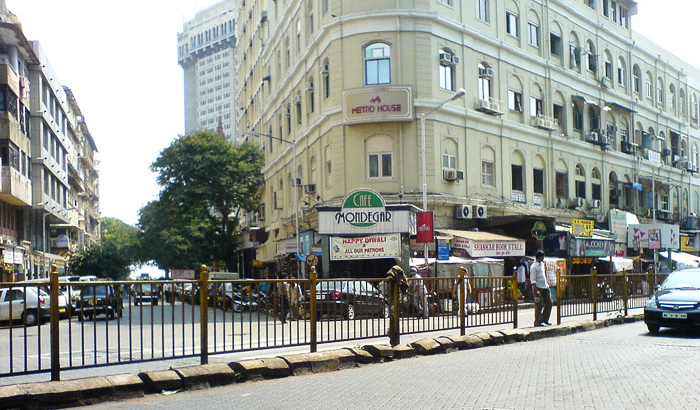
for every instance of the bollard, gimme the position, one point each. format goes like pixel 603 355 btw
pixel 394 332
pixel 54 317
pixel 558 296
pixel 594 281
pixel 204 314
pixel 312 309
pixel 462 301
pixel 515 299
pixel 651 280
pixel 625 294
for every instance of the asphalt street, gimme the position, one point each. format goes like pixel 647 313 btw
pixel 619 367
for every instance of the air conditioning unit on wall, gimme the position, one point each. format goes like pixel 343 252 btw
pixel 480 211
pixel 463 211
pixel 449 174
pixel 577 202
pixel 595 204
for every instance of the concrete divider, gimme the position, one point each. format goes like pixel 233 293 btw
pixel 96 389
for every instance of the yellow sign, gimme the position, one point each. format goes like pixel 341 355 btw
pixel 582 227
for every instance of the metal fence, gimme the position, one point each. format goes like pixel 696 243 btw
pixel 113 322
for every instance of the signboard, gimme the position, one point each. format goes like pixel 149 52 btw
pixel 500 248
pixel 688 243
pixel 638 236
pixel 379 104
pixel 62 241
pixel 618 225
pixel 312 259
pixel 539 231
pixel 654 238
pixel 582 227
pixel 182 274
pixel 424 227
pixel 19 256
pixel 287 246
pixel 368 247
pixel 363 212
pixel 580 247
pixel 443 253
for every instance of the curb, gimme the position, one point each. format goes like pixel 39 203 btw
pixel 91 390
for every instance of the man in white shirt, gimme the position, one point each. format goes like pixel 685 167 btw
pixel 538 278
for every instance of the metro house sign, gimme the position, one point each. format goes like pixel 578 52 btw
pixel 362 208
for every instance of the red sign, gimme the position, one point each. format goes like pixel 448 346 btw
pixel 424 227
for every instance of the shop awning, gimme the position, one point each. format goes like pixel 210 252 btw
pixel 683 260
pixel 480 244
pixel 620 263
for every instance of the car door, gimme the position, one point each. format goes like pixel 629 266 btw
pixel 14 296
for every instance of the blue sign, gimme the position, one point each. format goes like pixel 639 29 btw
pixel 443 250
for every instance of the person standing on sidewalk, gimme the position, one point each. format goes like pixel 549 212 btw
pixel 283 295
pixel 538 278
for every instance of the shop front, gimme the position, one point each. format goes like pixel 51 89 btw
pixel 364 237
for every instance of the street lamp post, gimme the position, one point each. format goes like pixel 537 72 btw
pixel 459 94
pixel 294 185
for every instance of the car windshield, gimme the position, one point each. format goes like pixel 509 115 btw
pixel 330 286
pixel 144 287
pixel 689 279
pixel 98 291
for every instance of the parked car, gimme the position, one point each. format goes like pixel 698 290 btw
pixel 145 293
pixel 64 307
pixel 99 298
pixel 29 305
pixel 675 303
pixel 350 299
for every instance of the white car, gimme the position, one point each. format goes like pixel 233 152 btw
pixel 64 299
pixel 28 305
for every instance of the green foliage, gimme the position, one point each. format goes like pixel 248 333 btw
pixel 205 182
pixel 104 261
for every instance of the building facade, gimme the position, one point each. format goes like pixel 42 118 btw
pixel 568 113
pixel 206 52
pixel 40 143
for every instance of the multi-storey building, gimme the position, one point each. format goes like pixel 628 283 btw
pixel 568 112
pixel 39 145
pixel 206 52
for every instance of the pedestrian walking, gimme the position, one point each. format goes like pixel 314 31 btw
pixel 543 296
pixel 295 300
pixel 521 276
pixel 419 293
pixel 283 297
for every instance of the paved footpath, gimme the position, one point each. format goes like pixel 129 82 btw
pixel 618 367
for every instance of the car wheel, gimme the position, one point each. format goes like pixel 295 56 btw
pixel 30 318
pixel 350 312
pixel 653 329
pixel 155 302
pixel 386 311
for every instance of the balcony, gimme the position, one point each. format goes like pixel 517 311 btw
pixel 16 188
pixel 629 147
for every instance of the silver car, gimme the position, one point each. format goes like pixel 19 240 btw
pixel 28 305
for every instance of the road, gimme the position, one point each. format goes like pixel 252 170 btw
pixel 619 367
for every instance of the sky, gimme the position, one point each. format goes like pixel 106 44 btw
pixel 119 57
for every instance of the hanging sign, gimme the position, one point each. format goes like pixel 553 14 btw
pixel 367 247
pixel 424 227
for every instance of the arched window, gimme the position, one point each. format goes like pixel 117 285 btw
pixel 326 75
pixel 580 179
pixel 591 58
pixel 377 64
pixel 660 92
pixel 449 153
pixel 488 167
pixel 682 103
pixel 636 79
pixel 672 98
pixel 312 170
pixel 608 66
pixel 538 185
pixel 517 177
pixel 596 185
pixel 574 52
pixel 694 109
pixel 621 72
pixel 536 101
pixel 649 86
pixel 310 96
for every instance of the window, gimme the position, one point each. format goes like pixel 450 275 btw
pixel 558 114
pixel 672 98
pixel 536 107
pixel 624 17
pixel 298 36
pixel 324 5
pixel 608 67
pixel 636 79
pixel 517 183
pixel 484 82
pixel 578 116
pixel 538 181
pixel 556 45
pixel 562 185
pixel 449 161
pixel 660 92
pixel 574 53
pixel 580 182
pixel 482 12
pixel 329 168
pixel 512 24
pixel 487 174
pixel 310 95
pixel 448 2
pixel 606 8
pixel 648 86
pixel 591 58
pixel 447 69
pixel 325 73
pixel 310 15
pixel 377 64
pixel 515 101
pixel 533 34
pixel 591 3
pixel 379 156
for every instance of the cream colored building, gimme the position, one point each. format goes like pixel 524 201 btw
pixel 568 112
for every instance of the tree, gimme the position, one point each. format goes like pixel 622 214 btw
pixel 206 183
pixel 113 258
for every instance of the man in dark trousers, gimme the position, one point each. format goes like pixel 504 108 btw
pixel 543 297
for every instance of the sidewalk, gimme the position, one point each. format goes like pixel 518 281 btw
pixel 85 386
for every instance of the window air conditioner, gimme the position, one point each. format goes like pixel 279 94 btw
pixel 324 69
pixel 296 182
pixel 460 175
pixel 577 202
pixel 296 100
pixel 446 57
pixel 480 211
pixel 595 204
pixel 449 174
pixel 463 211
pixel 489 72
pixel 310 189
pixel 309 86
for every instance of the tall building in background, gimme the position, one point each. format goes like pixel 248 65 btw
pixel 206 52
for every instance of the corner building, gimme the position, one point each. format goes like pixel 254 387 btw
pixel 568 113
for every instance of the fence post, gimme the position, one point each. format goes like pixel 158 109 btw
pixel 312 309
pixel 558 296
pixel 54 317
pixel 462 301
pixel 651 279
pixel 625 293
pixel 514 294
pixel 204 314
pixel 594 282
pixel 394 332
